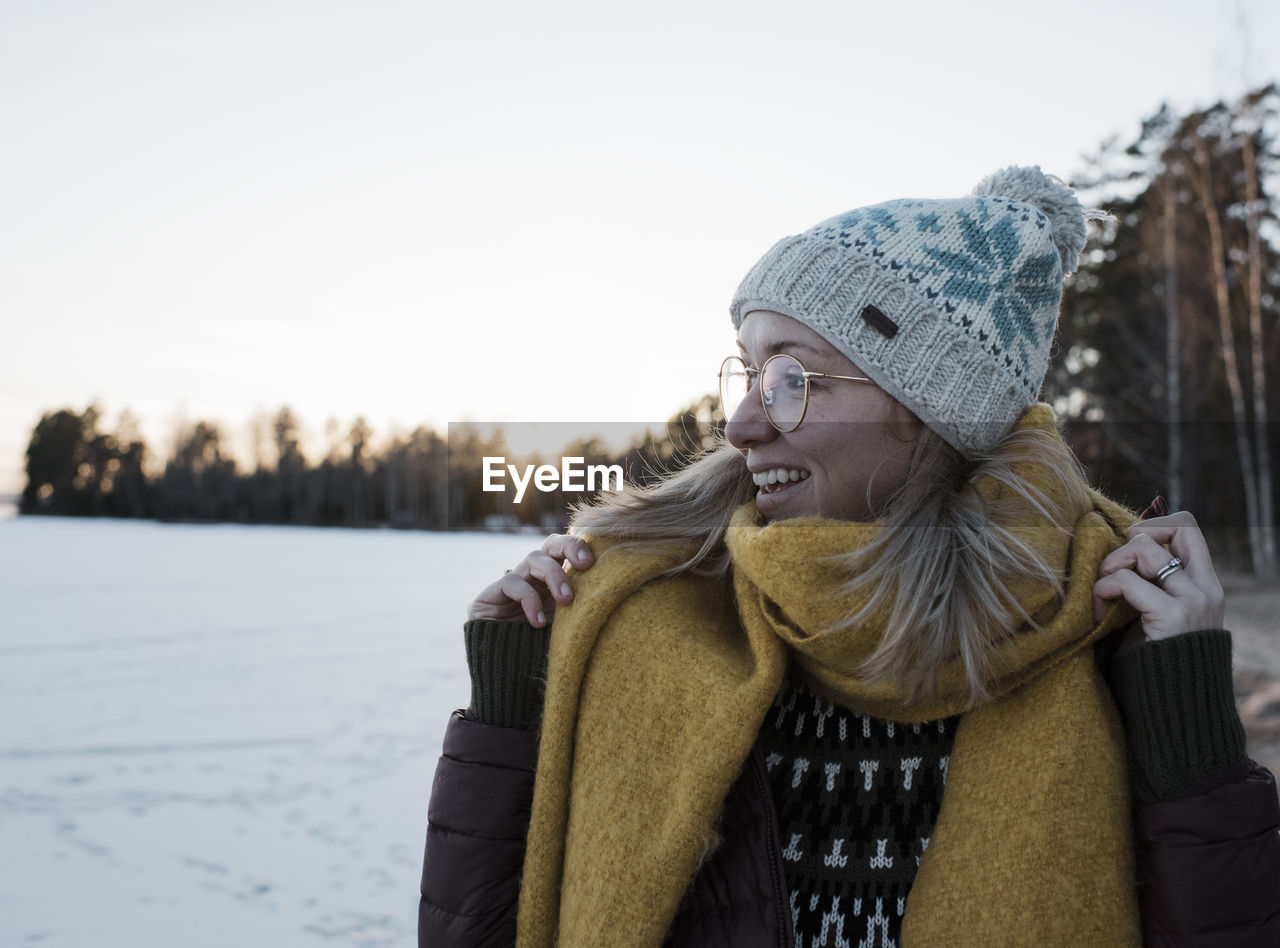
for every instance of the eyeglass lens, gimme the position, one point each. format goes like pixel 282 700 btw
pixel 783 386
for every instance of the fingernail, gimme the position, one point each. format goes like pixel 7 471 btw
pixel 565 590
pixel 542 618
pixel 583 556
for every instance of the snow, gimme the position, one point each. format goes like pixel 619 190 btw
pixel 215 735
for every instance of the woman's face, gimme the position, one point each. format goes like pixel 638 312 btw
pixel 853 437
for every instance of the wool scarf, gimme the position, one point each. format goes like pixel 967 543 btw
pixel 656 692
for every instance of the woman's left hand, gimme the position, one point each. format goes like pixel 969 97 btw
pixel 1188 599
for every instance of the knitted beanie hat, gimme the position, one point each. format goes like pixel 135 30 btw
pixel 949 305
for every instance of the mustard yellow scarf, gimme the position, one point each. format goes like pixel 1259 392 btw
pixel 655 696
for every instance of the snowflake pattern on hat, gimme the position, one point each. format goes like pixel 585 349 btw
pixel 969 259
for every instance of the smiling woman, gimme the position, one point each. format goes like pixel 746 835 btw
pixel 845 673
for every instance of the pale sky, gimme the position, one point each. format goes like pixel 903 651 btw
pixel 430 212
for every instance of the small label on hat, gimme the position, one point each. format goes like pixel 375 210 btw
pixel 880 322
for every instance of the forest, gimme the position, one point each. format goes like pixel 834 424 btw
pixel 1163 372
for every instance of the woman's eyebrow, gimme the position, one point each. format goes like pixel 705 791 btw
pixel 782 345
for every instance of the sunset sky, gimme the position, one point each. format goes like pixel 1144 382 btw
pixel 427 212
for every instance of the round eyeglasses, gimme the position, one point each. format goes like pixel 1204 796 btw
pixel 784 388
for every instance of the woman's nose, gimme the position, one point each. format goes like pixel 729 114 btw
pixel 748 425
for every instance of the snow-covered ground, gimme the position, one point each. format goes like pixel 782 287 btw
pixel 224 735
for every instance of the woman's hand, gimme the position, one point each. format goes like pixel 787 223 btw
pixel 1189 598
pixel 536 584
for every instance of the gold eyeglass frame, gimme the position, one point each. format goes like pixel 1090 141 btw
pixel 756 373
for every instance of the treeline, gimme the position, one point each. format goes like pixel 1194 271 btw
pixel 1168 345
pixel 417 481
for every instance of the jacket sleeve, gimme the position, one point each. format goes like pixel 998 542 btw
pixel 478 815
pixel 1205 816
pixel 476 825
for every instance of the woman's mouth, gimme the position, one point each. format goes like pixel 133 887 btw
pixel 778 479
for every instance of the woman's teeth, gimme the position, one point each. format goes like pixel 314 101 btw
pixel 778 475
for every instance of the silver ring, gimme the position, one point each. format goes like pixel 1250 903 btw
pixel 1169 569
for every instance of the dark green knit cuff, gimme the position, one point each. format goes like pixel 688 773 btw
pixel 1175 696
pixel 508 662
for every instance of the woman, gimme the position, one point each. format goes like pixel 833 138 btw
pixel 836 680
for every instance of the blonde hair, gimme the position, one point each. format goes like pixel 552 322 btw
pixel 963 551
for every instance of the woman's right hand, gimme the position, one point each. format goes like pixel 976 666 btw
pixel 535 585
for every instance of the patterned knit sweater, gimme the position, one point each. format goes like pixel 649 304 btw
pixel 857 799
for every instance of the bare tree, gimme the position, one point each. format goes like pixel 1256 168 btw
pixel 1172 351
pixel 1201 180
pixel 1252 213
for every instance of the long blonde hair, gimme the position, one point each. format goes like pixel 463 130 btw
pixel 961 550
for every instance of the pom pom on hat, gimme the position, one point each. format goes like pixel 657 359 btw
pixel 1050 195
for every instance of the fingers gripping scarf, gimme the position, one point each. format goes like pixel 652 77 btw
pixel 655 696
